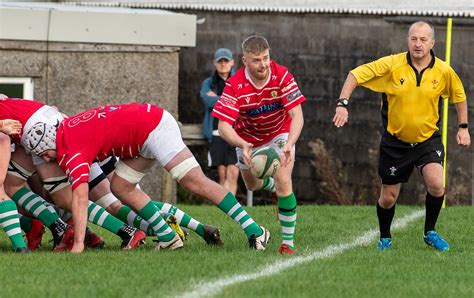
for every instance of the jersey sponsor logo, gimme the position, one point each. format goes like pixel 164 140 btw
pixel 84 117
pixel 264 109
pixel 294 95
pixel 402 80
pixel 247 99
pixel 435 84
pixel 274 94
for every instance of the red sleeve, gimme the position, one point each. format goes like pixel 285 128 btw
pixel 76 168
pixel 227 106
pixel 291 94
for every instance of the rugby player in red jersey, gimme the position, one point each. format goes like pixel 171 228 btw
pixel 261 106
pixel 9 219
pixel 22 166
pixel 139 134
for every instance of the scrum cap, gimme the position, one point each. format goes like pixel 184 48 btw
pixel 41 137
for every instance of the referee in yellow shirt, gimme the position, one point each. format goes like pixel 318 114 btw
pixel 413 84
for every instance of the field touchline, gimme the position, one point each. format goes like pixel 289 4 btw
pixel 206 289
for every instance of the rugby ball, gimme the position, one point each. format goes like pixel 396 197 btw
pixel 265 162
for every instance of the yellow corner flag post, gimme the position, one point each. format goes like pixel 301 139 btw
pixel 449 28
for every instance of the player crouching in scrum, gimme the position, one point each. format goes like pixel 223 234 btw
pixel 139 134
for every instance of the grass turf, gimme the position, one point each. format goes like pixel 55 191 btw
pixel 409 269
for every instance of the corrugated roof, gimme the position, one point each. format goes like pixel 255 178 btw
pixel 438 8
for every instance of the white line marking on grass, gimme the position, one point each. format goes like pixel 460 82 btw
pixel 206 289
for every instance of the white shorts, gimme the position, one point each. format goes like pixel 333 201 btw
pixel 164 142
pixel 47 115
pixel 276 143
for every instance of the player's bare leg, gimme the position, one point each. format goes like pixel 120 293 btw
pixel 195 181
pixel 286 207
pixel 124 186
pixel 9 218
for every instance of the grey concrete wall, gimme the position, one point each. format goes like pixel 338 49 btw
pixel 320 50
pixel 75 77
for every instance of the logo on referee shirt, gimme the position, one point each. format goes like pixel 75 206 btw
pixel 435 84
pixel 402 80
pixel 392 171
pixel 438 152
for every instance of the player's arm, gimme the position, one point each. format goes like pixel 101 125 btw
pixel 342 114
pixel 297 121
pixel 227 132
pixel 10 127
pixel 463 138
pixel 79 215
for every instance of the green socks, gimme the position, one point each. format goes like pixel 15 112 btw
pixel 98 215
pixel 11 223
pixel 126 214
pixel 152 215
pixel 35 205
pixel 287 217
pixel 268 184
pixel 184 219
pixel 232 207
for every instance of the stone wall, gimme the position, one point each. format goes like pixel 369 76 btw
pixel 320 50
pixel 75 77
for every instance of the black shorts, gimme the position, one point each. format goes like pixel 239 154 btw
pixel 221 153
pixel 398 159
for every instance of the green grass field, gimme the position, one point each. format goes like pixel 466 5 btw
pixel 319 269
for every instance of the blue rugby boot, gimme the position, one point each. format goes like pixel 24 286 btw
pixel 384 243
pixel 432 238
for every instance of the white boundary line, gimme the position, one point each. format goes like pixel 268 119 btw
pixel 210 288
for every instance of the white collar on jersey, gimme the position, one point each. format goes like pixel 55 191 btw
pixel 247 76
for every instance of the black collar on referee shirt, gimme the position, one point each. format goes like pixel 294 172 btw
pixel 420 74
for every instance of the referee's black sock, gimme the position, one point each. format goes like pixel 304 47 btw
pixel 385 220
pixel 433 207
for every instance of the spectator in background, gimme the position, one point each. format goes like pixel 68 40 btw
pixel 221 155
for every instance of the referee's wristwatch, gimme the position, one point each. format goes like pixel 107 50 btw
pixel 463 125
pixel 342 102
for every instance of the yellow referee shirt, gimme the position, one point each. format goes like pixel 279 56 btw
pixel 412 99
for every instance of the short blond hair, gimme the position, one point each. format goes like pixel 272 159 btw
pixel 255 44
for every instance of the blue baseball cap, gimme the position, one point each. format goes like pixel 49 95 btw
pixel 223 53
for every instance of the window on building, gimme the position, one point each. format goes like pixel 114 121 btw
pixel 17 87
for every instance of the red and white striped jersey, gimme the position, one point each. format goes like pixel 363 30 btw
pixel 93 135
pixel 259 114
pixel 20 110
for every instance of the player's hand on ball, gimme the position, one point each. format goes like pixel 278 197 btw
pixel 247 150
pixel 10 126
pixel 341 117
pixel 286 157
